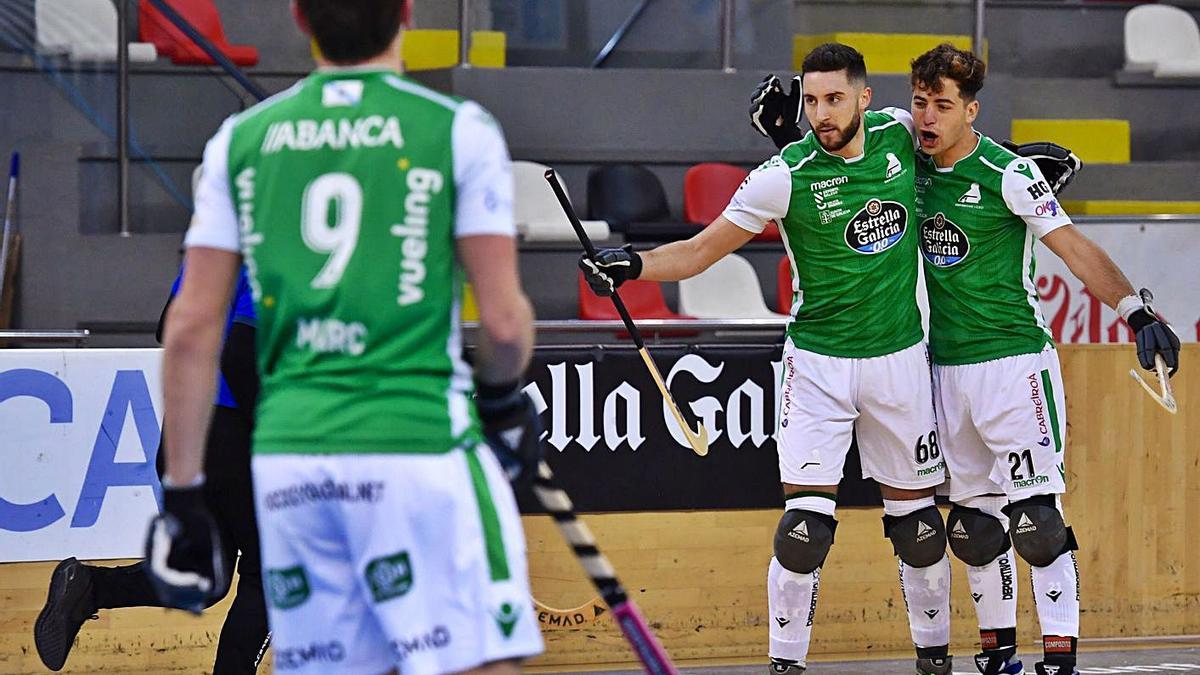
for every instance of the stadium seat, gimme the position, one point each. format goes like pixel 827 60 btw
pixel 86 30
pixel 538 214
pixel 783 286
pixel 173 43
pixel 632 200
pixel 1162 39
pixel 1095 141
pixel 727 290
pixel 643 299
pixel 707 189
pixel 884 53
pixel 425 49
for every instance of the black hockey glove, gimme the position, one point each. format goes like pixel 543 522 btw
pixel 512 428
pixel 1153 335
pixel 610 268
pixel 185 560
pixel 1057 164
pixel 774 114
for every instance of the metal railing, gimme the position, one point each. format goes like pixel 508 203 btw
pixel 78 337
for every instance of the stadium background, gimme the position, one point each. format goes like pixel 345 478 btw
pixel 694 561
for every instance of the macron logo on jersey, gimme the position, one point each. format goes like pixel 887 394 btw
pixel 307 135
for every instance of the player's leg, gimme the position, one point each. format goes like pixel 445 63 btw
pixel 320 620
pixel 897 440
pixel 244 635
pixel 976 526
pixel 441 556
pixel 816 417
pixel 1026 429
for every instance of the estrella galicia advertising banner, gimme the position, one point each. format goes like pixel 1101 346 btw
pixel 615 446
pixel 80 429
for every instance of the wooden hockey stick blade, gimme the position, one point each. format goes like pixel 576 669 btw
pixel 1166 398
pixel 697 438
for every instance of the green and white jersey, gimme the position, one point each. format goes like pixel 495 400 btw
pixel 345 195
pixel 846 227
pixel 979 219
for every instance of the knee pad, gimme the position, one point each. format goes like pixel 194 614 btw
pixel 803 539
pixel 976 537
pixel 919 538
pixel 1038 532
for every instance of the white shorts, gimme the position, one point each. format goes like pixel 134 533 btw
pixel 885 400
pixel 1003 425
pixel 381 561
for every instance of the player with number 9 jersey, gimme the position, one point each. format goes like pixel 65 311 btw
pixel 390 534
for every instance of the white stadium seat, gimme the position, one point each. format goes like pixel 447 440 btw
pixel 1163 40
pixel 538 215
pixel 727 290
pixel 84 29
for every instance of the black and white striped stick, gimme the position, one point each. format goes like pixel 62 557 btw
pixel 637 632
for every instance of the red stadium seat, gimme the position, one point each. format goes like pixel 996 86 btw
pixel 155 28
pixel 643 299
pixel 783 287
pixel 707 189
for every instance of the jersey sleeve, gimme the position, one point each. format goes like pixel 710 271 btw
pixel 214 221
pixel 763 196
pixel 482 175
pixel 904 117
pixel 1028 195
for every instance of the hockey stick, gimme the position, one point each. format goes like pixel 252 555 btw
pixel 697 439
pixel 1167 398
pixel 9 213
pixel 637 632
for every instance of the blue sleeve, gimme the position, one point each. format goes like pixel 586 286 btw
pixel 242 309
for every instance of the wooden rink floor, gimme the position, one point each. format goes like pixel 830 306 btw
pixel 1134 499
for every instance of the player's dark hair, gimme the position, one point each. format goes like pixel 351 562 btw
pixel 834 56
pixel 350 31
pixel 952 63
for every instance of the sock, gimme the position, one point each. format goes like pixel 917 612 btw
pixel 792 597
pixel 1060 650
pixel 926 590
pixel 792 603
pixel 994 590
pixel 998 639
pixel 1056 594
pixel 125 586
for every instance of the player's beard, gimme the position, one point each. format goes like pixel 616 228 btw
pixel 844 135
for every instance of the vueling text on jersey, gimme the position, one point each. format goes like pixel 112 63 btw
pixel 422 185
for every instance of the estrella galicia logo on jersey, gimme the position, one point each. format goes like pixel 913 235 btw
pixel 943 243
pixel 287 588
pixel 389 576
pixel 877 227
